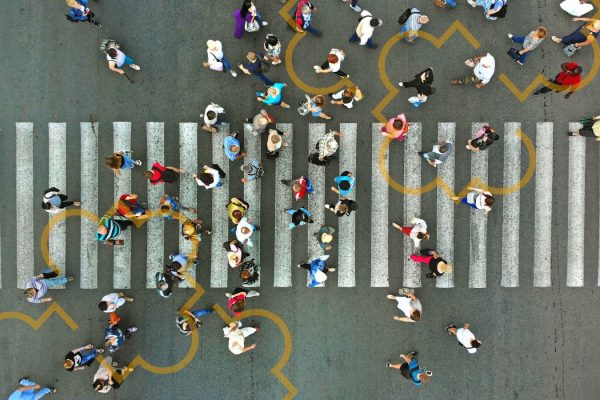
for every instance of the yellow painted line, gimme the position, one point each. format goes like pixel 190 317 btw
pixel 36 324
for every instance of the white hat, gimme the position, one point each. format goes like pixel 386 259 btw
pixel 214 44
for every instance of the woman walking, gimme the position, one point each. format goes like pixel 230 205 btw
pixel 437 265
pixel 247 19
pixel 345 183
pixel 77 359
pixel 272 48
pixel 585 35
pixel 318 270
pixel 275 142
pixel 273 96
pixel 422 83
pixel 121 161
pixel 55 201
pixel 484 138
pixel 478 199
pixel 216 59
pixel 396 128
pixel 325 236
pixel 315 106
pixel 333 64
pixel 300 217
pixel 343 207
pixel 417 232
pixel 79 11
pixel 530 43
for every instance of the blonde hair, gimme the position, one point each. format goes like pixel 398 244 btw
pixel 72 3
pixel 542 32
pixel 30 293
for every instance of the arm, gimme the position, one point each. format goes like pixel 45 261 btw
pixel 583 19
pixel 88 347
pixel 113 67
pixel 590 40
pixel 244 70
pixel 405 358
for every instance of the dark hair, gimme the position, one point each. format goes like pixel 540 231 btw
pixel 103 306
pixel 46 206
pixel 112 52
pixel 489 200
pixel 98 384
pixel 577 70
pixel 475 343
pixel 238 306
pixel 206 178
pixel 443 148
pixel 346 173
pixel 420 235
pixel 416 315
pixel 375 22
pixel 344 185
pixel 271 39
pixel 398 124
pixel 332 58
pixel 245 6
pixel 237 214
pixel 211 114
pixel 352 205
pixel 148 174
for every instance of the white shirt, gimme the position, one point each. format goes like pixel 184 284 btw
pixel 114 302
pixel 485 68
pixel 244 237
pixel 217 109
pixel 465 337
pixel 364 30
pixel 575 8
pixel 119 60
pixel 420 226
pixel 408 306
pixel 215 175
pixel 237 337
pixel 214 56
pixel 340 55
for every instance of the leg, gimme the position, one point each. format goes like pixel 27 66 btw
pixel 247 331
pixel 420 259
pixel 370 44
pixel 66 204
pixel 394 366
pixel 204 311
pixel 89 356
pixel 523 57
pixel 41 393
pixel 226 64
pixel 353 38
pixel 124 224
pixel 341 74
pixel 518 39
pixel 59 280
pixel 312 30
pixel 288 182
pixel 265 80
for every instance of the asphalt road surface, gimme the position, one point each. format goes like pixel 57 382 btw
pixel 525 276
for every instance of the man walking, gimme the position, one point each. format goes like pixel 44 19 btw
pixel 300 187
pixel 364 30
pixel 38 286
pixel 112 301
pixel 410 369
pixel 465 337
pixel 417 232
pixel 254 67
pixel 438 154
pixel 117 59
pixel 408 304
pixel 413 24
pixel 568 78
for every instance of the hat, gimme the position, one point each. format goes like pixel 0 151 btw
pixel 233 257
pixel 274 141
pixel 214 44
pixel 443 267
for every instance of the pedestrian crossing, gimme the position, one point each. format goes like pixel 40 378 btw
pixel 382 240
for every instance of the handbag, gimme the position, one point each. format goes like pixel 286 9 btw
pixel 513 53
pixel 251 26
pixel 570 50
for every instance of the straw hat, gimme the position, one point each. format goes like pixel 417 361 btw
pixel 214 45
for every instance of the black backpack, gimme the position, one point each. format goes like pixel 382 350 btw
pixel 502 12
pixel 404 17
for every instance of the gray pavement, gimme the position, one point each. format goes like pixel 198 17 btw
pixel 538 342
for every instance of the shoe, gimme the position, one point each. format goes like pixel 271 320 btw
pixel 510 36
pixel 387 364
pixel 401 84
pixel 134 66
pixel 356 8
pixel 132 329
pixel 233 73
pixel 299 265
pixel 98 25
pixel 265 23
pixel 52 389
pixel 69 278
pixel 455 82
pixel 556 39
pixel 138 163
pixel 316 68
pixel 570 133
pixel 171 257
pixel 519 62
pixel 26 378
pixel 330 269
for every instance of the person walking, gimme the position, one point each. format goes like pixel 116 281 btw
pixel 109 229
pixel 396 128
pixel 273 96
pixel 345 183
pixel 478 199
pixel 117 59
pixel 233 147
pixel 104 378
pixel 237 300
pixel 585 35
pixel 114 337
pixel 417 231
pixel 343 207
pixel 300 217
pixel 55 201
pixel 333 64
pixel 186 316
pixel 347 96
pixel 247 19
pixel 79 11
pixel 237 209
pixel 590 128
pixel 170 204
pixel 272 47
pixel 210 177
pixel 465 337
pixel 353 5
pixel 164 284
pixel 315 105
pixel 253 171
pixel 162 174
pixel 409 304
pixel 275 142
pixel 410 369
pixel 37 287
pixel 216 60
pixel 326 147
pixel 243 230
pixel 121 161
pixel 30 390
pixel 439 153
pixel 484 138
pixel 413 24
pixel 492 9
pixel 77 359
pixel 211 117
pixel 237 337
pixel 249 272
pixel 235 253
pixel 317 270
pixel 300 187
pixel 568 78
pixel 364 30
pixel 422 83
pixel 255 67
pixel 530 43
pixel 304 17
pixel 260 122
pixel 325 237
pixel 192 229
pixel 483 71
pixel 180 263
pixel 437 265
pixel 112 301
pixel 128 207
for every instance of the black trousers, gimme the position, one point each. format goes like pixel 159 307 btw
pixel 338 73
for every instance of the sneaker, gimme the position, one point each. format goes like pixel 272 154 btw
pixel 472 3
pixel 171 257
pixel 510 36
pixel 537 93
pixel 53 389
pixel 519 62
pixel 233 73
pixel 98 25
pixel 299 265
pixel 69 278
pixel 134 66
pixel 138 162
pixel 132 329
pixel 265 23
pixel 316 67
pixel 387 364
pixel 356 8
pixel 401 84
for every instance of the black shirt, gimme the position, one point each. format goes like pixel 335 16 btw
pixel 433 263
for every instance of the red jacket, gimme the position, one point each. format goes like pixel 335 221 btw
pixel 566 79
pixel 299 19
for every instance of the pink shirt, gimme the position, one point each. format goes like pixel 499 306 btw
pixel 397 134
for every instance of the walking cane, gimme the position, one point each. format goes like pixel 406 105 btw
pixel 127 76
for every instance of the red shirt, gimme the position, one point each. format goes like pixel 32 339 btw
pixel 302 192
pixel 235 299
pixel 567 79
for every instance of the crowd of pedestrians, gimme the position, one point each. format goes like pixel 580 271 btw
pixel 248 21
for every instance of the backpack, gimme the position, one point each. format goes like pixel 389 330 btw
pixel 404 17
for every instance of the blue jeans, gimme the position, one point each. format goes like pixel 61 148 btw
pixel 312 30
pixel 404 29
pixel 451 3
pixel 265 79
pixel 127 161
pixel 520 39
pixel 226 64
pixel 30 394
pixel 355 38
pixel 204 311
pixel 51 282
pixel 128 61
pixel 90 355
pixel 465 201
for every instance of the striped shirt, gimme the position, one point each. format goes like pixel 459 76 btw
pixel 113 228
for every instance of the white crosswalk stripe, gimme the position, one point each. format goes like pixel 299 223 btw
pixel 508 207
pixel 576 209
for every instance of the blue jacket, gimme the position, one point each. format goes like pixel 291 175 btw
pixel 315 265
pixel 76 13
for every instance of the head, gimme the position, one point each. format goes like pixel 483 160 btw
pixel 326 237
pixel 297 187
pixel 272 91
pixel 245 275
pixel 541 32
pixel 350 91
pixel 262 120
pixel 251 56
pixel 271 39
pixel 344 185
pixel 206 178
pixel 211 115
pixel 577 70
pixel 427 75
pixel 162 286
pixel 443 148
pixel 46 206
pixel 238 307
pixel 113 162
pixel 422 236
pixel 188 229
pixel 245 6
pixel 398 124
pixel 443 267
pixel 332 58
pixel 245 230
pixel 423 19
pixel 30 293
pixel 319 100
pixel 489 200
pixel 102 230
pixel 234 148
pixel 148 174
pixel 68 364
pixel 375 22
pixel 110 341
pixel 237 214
pixel 476 343
pixel 596 24
pixel 305 9
pixel 112 52
pixel 214 45
pixel 103 306
pixel 165 210
pixel 343 208
pixel 416 315
pixel 98 385
pixel 275 139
